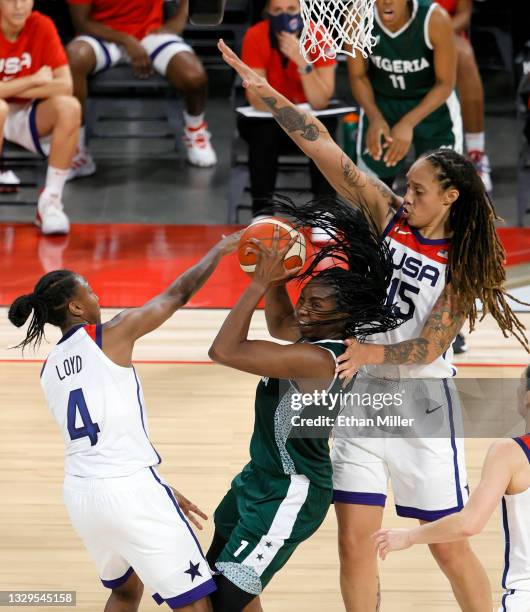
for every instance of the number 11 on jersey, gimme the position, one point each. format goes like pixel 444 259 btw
pixel 76 402
pixel 398 81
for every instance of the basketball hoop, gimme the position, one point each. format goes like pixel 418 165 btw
pixel 206 12
pixel 336 26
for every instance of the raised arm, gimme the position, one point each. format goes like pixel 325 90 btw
pixel 437 335
pixel 502 462
pixel 120 334
pixel 232 347
pixel 319 83
pixel 280 315
pixel 315 141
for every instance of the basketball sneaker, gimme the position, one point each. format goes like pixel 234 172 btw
pixel 9 181
pixel 50 215
pixel 482 166
pixel 82 165
pixel 199 149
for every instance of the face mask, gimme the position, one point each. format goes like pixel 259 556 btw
pixel 284 22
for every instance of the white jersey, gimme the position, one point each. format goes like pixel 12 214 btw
pixel 417 282
pixel 99 407
pixel 516 523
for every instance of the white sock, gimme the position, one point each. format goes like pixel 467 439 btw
pixel 476 141
pixel 55 180
pixel 193 121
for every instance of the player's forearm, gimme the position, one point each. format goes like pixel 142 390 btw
pixel 234 331
pixel 433 100
pixel 16 87
pixel 448 529
pixel 278 308
pixel 304 129
pixel 188 283
pixel 418 351
pixel 98 30
pixel 364 96
pixel 256 102
pixel 58 87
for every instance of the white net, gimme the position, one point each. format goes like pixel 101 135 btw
pixel 336 26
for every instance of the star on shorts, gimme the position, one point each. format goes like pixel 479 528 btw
pixel 193 571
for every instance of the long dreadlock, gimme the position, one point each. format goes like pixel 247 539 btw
pixel 476 258
pixel 48 302
pixel 362 264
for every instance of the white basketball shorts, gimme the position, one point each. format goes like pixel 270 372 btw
pixel 515 601
pixel 428 474
pixel 21 128
pixel 134 523
pixel 160 47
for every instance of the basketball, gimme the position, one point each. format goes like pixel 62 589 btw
pixel 263 230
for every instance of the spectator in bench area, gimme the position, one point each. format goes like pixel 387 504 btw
pixel 37 109
pixel 133 31
pixel 271 48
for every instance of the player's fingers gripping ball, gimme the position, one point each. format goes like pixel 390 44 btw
pixel 268 233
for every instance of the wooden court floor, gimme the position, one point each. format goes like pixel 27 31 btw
pixel 200 419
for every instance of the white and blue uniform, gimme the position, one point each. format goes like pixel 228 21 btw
pixel 428 474
pixel 516 524
pixel 161 48
pixel 125 513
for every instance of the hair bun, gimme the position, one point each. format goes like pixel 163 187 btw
pixel 20 309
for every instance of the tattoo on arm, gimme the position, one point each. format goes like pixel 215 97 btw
pixel 409 352
pixel 444 322
pixel 354 180
pixel 378 602
pixel 292 120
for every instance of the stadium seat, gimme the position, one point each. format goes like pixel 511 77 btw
pixel 120 83
pixel 491 35
pixel 203 39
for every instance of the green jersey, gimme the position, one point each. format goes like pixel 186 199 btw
pixel 284 441
pixel 401 64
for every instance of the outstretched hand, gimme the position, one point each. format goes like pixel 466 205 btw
pixel 251 80
pixel 189 509
pixel 270 268
pixel 228 244
pixel 350 361
pixel 389 540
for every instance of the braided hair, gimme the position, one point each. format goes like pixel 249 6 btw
pixel 476 258
pixel 48 302
pixel 362 264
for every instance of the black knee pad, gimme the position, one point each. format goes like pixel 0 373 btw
pixel 229 597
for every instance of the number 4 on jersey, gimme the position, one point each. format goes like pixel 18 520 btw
pixel 76 401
